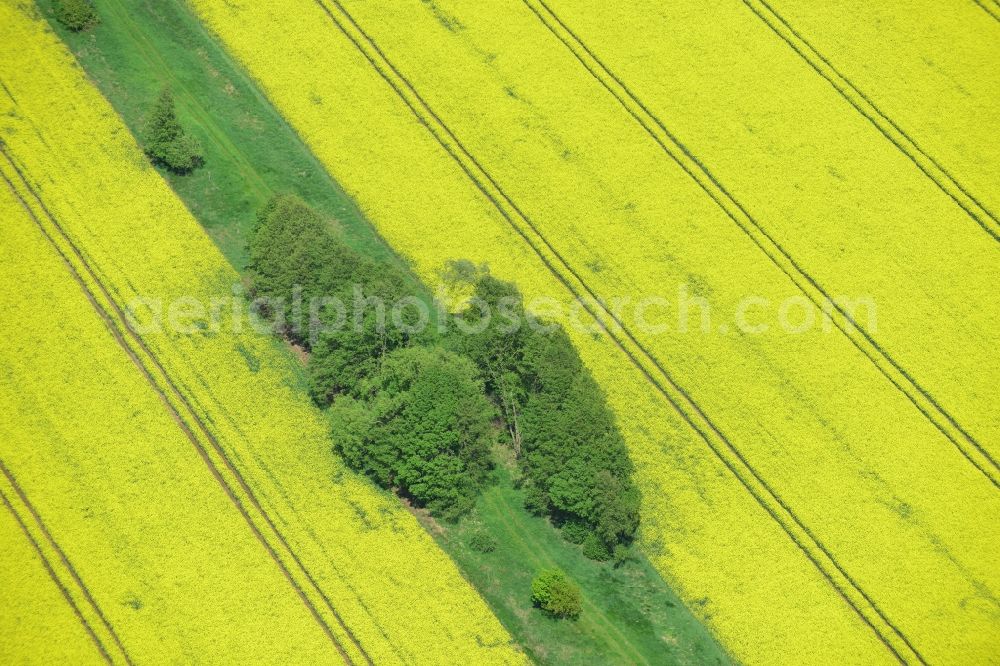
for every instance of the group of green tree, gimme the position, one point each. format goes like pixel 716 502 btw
pixel 576 466
pixel 415 407
pixel 419 408
pixel 405 411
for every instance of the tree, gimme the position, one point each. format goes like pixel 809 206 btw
pixel 552 591
pixel 499 320
pixel 422 425
pixel 595 548
pixel 343 356
pixel 166 142
pixel 76 15
pixel 292 247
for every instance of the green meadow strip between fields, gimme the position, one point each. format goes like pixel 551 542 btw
pixel 250 154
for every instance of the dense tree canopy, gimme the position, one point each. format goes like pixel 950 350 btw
pixel 326 297
pixel 575 460
pixel 493 332
pixel 415 416
pixel 422 425
pixel 296 259
pixel 574 455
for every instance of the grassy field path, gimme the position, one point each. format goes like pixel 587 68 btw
pixel 628 616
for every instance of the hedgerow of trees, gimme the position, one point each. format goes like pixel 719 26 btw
pixel 411 415
pixel 576 464
pixel 296 260
pixel 418 411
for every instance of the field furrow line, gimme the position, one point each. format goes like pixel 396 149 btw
pixel 990 7
pixel 885 125
pixel 214 455
pixel 53 557
pixel 922 399
pixel 204 413
pixel 21 497
pixel 661 380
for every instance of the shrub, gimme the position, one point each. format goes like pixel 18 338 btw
pixel 166 142
pixel 621 555
pixel 76 15
pixel 595 548
pixel 483 542
pixel 554 593
pixel 575 531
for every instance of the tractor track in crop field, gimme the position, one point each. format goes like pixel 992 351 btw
pixel 991 7
pixel 12 493
pixel 279 487
pixel 856 598
pixel 885 125
pixel 179 405
pixel 924 401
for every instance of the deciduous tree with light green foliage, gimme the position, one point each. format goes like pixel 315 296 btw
pixel 553 592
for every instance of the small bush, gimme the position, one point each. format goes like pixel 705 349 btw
pixel 621 555
pixel 555 594
pixel 536 502
pixel 76 15
pixel 596 549
pixel 483 542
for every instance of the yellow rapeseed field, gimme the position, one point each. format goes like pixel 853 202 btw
pixel 34 608
pixel 156 543
pixel 848 206
pixel 930 67
pixel 806 496
pixel 207 505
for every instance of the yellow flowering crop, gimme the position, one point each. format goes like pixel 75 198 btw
pixel 187 476
pixel 935 73
pixel 830 501
pixel 33 609
pixel 849 206
pixel 156 543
